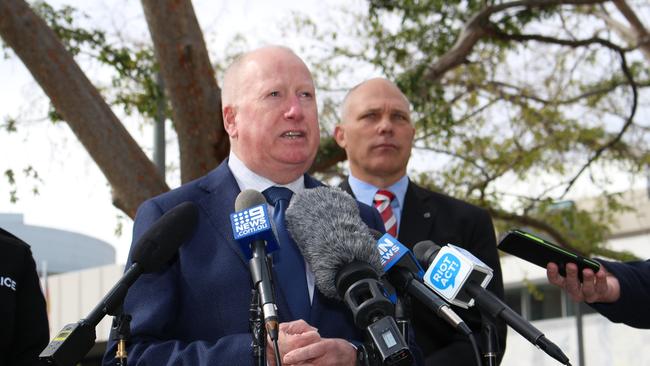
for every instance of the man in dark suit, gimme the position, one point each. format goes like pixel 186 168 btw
pixel 619 291
pixel 196 311
pixel 377 134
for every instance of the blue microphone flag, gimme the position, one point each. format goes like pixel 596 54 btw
pixel 391 251
pixel 250 224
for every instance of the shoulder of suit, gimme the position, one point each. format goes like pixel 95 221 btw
pixel 438 198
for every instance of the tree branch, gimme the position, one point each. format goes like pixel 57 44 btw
pixel 478 26
pixel 626 125
pixel 534 223
pixel 190 85
pixel 130 173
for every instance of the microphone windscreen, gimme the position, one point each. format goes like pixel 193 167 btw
pixel 425 252
pixel 375 233
pixel 161 241
pixel 249 198
pixel 325 224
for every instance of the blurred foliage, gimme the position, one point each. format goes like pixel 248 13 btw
pixel 134 85
pixel 518 124
pixel 543 102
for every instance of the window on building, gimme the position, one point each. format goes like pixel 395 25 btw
pixel 546 303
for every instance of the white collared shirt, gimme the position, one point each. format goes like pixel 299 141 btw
pixel 248 179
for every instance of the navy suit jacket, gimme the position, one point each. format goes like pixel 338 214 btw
pixel 428 215
pixel 632 307
pixel 195 311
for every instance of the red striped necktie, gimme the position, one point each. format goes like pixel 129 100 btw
pixel 382 202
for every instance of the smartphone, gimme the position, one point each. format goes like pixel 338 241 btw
pixel 539 251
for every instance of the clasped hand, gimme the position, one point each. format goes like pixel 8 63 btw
pixel 301 344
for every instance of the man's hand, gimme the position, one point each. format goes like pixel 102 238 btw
pixel 293 335
pixel 327 351
pixel 596 287
pixel 301 344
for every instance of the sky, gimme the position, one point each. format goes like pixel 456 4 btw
pixel 73 194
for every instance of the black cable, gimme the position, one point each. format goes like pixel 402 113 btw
pixel 278 362
pixel 477 353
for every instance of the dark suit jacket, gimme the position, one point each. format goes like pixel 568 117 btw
pixel 24 330
pixel 444 220
pixel 632 307
pixel 195 312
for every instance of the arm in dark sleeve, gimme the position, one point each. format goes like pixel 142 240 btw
pixel 32 329
pixel 481 242
pixel 154 306
pixel 632 307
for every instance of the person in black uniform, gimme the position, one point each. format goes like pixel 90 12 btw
pixel 24 330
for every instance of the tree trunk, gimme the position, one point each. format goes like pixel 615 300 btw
pixel 130 173
pixel 189 83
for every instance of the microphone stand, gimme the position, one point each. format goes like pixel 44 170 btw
pixel 402 316
pixel 489 340
pixel 121 331
pixel 256 324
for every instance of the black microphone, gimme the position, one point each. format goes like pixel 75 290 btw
pixel 250 207
pixel 405 274
pixel 450 267
pixel 338 246
pixel 154 249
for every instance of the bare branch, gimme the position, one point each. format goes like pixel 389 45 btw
pixel 478 27
pixel 190 85
pixel 131 174
pixel 534 223
pixel 626 125
pixel 642 37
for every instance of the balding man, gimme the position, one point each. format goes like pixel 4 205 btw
pixel 196 312
pixel 377 134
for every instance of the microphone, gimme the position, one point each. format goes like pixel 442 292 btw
pixel 154 249
pixel 252 229
pixel 459 277
pixel 340 250
pixel 404 272
pixel 454 268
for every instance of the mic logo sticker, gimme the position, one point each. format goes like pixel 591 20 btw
pixel 387 250
pixel 250 221
pixel 445 272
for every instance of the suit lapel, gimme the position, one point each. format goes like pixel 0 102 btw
pixel 418 216
pixel 222 190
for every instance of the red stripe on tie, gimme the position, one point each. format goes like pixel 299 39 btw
pixel 382 202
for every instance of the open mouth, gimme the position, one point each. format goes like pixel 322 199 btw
pixel 293 134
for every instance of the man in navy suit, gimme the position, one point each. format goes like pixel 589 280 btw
pixel 377 134
pixel 196 311
pixel 619 291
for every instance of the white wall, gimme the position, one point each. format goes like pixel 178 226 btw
pixel 72 295
pixel 605 343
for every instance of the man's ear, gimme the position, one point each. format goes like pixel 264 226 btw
pixel 229 123
pixel 339 135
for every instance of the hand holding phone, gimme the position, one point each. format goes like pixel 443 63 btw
pixel 600 286
pixel 540 252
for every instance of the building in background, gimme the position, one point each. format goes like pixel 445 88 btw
pixel 76 271
pixel 58 251
pixel 550 310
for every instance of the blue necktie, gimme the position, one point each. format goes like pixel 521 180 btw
pixel 289 265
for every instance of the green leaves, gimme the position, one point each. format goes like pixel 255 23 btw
pixel 528 113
